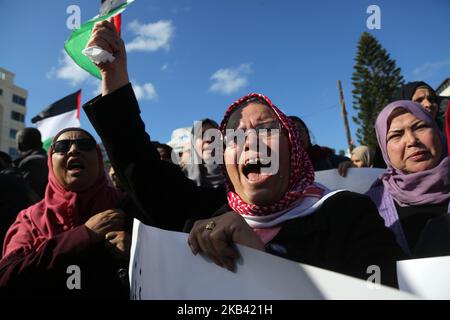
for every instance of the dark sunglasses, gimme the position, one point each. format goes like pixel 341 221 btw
pixel 63 146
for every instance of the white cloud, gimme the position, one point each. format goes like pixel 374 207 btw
pixel 230 80
pixel 429 69
pixel 146 91
pixel 164 67
pixel 151 36
pixel 68 70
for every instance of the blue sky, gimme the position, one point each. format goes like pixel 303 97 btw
pixel 199 56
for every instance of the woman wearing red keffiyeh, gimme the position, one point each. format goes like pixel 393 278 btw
pixel 273 203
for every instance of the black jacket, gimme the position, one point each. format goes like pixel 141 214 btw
pixel 15 195
pixel 346 235
pixel 33 166
pixel 166 198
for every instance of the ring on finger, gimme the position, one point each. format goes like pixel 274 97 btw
pixel 210 225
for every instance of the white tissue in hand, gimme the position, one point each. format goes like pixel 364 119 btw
pixel 98 55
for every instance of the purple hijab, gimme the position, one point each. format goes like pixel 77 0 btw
pixel 431 186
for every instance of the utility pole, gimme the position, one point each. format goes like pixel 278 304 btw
pixel 344 114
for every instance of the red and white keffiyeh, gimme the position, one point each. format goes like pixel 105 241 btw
pixel 301 180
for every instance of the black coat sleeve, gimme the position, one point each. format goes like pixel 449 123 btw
pixel 164 196
pixel 367 245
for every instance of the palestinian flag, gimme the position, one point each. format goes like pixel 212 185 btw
pixel 80 37
pixel 64 113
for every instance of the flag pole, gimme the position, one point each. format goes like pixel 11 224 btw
pixel 118 22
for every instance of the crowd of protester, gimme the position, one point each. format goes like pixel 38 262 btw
pixel 63 208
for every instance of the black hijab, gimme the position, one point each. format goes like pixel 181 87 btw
pixel 406 91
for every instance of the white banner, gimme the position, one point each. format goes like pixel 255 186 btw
pixel 162 266
pixel 428 278
pixel 357 179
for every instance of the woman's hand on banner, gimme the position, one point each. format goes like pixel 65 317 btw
pixel 215 237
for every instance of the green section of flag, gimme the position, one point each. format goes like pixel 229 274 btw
pixel 80 37
pixel 47 143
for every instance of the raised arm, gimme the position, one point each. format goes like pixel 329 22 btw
pixel 165 197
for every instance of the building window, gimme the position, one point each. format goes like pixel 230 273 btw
pixel 19 100
pixel 1 92
pixel 17 116
pixel 2 75
pixel 12 133
pixel 13 153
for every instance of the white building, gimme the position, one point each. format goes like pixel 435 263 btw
pixel 12 111
pixel 444 88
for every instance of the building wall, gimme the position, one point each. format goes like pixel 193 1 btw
pixel 12 99
pixel 444 88
pixel 445 92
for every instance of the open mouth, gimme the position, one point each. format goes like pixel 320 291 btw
pixel 75 165
pixel 256 170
